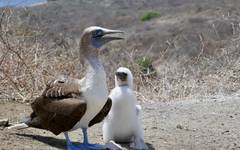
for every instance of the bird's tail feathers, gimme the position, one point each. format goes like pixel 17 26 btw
pixel 18 126
pixel 21 125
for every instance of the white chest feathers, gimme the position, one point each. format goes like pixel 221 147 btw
pixel 95 92
pixel 122 121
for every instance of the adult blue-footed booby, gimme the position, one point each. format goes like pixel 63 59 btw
pixel 122 123
pixel 67 103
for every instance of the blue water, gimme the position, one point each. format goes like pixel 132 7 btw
pixel 19 3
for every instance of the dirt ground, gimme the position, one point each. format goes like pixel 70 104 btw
pixel 205 123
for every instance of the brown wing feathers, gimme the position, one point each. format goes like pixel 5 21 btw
pixel 102 114
pixel 62 87
pixel 59 108
pixel 58 115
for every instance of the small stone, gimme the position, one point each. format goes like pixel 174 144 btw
pixel 154 127
pixel 4 122
pixel 179 126
pixel 227 131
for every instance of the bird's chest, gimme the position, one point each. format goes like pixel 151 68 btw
pixel 96 95
pixel 95 98
pixel 96 89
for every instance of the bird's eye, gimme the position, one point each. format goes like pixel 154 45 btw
pixel 98 33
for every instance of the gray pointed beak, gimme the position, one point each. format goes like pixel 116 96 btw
pixel 107 38
pixel 109 31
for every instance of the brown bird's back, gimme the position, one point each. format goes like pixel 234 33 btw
pixel 56 115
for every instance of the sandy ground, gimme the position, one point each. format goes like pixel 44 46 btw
pixel 207 123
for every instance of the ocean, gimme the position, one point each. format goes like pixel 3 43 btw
pixel 19 3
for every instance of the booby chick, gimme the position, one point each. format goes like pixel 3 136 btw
pixel 67 103
pixel 122 123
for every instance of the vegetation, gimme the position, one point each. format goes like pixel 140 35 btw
pixel 150 15
pixel 27 63
pixel 145 64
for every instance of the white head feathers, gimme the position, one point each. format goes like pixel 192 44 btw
pixel 128 80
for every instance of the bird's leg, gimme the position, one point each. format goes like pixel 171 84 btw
pixel 85 136
pixel 91 146
pixel 67 139
pixel 71 146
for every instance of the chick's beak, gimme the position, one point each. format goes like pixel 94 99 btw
pixel 122 76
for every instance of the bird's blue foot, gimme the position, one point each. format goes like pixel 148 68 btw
pixel 84 146
pixel 76 147
pixel 96 147
pixel 71 146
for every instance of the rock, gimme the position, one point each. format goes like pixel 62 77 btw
pixel 4 122
pixel 179 126
pixel 227 131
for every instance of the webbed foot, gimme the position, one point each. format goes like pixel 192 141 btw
pixel 71 146
pixel 96 147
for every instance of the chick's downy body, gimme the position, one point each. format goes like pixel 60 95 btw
pixel 122 118
pixel 123 121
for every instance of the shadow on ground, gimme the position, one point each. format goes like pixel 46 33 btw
pixel 150 146
pixel 58 143
pixel 61 143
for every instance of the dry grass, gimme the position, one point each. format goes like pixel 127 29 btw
pixel 207 75
pixel 26 65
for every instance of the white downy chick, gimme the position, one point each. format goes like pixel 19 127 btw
pixel 123 121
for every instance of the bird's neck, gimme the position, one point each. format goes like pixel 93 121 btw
pixel 90 57
pixel 94 63
pixel 95 76
pixel 95 72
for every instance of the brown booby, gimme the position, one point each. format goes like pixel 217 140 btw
pixel 122 123
pixel 68 103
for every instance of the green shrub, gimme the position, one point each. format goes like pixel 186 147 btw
pixel 150 15
pixel 145 64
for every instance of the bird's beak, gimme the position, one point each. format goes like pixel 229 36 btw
pixel 106 38
pixel 121 75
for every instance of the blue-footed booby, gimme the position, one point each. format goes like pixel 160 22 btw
pixel 122 123
pixel 68 103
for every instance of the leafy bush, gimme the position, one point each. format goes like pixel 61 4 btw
pixel 145 64
pixel 150 15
